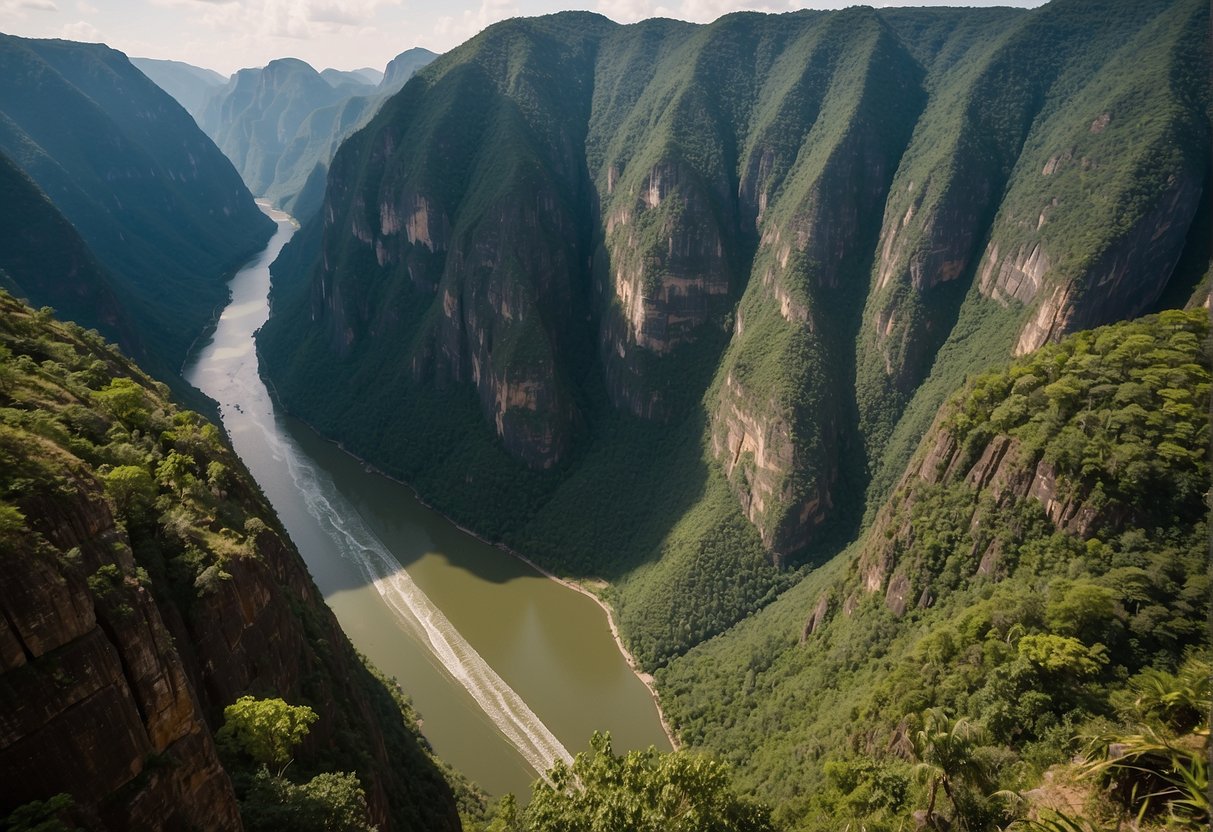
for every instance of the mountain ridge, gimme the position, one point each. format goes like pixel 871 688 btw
pixel 149 194
pixel 592 259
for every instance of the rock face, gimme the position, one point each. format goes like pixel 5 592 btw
pixel 130 618
pixel 987 468
pixel 96 701
pixel 1101 294
pixel 788 238
pixel 1023 169
pixel 666 274
pixel 781 426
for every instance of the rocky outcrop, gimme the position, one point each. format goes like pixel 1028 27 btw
pixel 96 701
pixel 758 451
pixel 498 296
pixel 1122 283
pixel 663 275
pixel 999 478
pixel 662 287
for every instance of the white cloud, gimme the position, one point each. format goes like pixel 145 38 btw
pixel 471 22
pixel 21 7
pixel 81 30
pixel 626 11
pixel 251 20
pixel 84 7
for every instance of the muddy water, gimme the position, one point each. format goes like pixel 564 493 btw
pixel 508 669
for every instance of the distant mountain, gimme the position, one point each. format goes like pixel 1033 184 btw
pixel 152 197
pixel 369 73
pixel 281 124
pixel 404 66
pixel 260 110
pixel 192 86
pixel 354 79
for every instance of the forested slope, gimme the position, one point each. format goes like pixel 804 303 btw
pixel 671 305
pixel 145 585
pixel 1047 542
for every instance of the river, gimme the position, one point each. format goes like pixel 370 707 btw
pixel 510 670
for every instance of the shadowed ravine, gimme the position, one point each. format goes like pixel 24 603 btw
pixel 501 662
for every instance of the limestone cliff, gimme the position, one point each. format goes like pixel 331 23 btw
pixel 572 247
pixel 780 423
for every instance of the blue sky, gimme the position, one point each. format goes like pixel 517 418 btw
pixel 229 34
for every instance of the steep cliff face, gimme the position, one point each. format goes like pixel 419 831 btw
pixel 781 423
pixel 1065 205
pixel 1137 232
pixel 789 237
pixel 155 201
pixel 145 584
pixel 479 251
pixel 97 701
pixel 666 274
pixel 44 259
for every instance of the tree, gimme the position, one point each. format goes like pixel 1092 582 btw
pixel 132 489
pixel 125 400
pixel 329 802
pixel 42 815
pixel 265 729
pixel 176 471
pixel 644 791
pixel 944 747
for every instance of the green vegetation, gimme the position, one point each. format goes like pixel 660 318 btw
pixel 265 732
pixel 643 791
pixel 106 484
pixel 1032 629
pixel 671 306
pixel 41 815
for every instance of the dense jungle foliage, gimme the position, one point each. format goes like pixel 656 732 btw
pixel 1057 639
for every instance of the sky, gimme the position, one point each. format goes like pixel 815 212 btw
pixel 226 35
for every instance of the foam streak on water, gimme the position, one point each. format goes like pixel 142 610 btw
pixel 230 375
pixel 356 542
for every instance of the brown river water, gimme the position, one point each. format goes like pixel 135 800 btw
pixel 510 670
